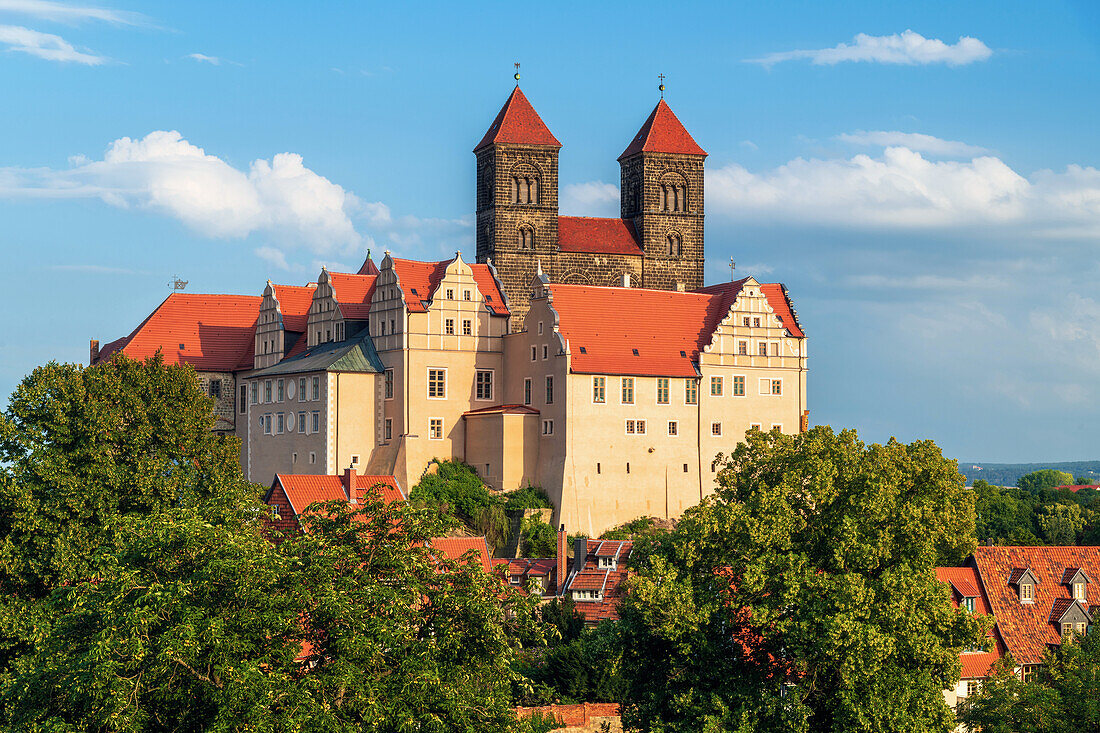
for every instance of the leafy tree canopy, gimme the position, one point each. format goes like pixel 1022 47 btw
pixel 1046 478
pixel 537 538
pixel 528 497
pixel 802 595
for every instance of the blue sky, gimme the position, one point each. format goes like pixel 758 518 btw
pixel 923 179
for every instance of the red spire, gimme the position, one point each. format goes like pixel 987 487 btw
pixel 662 133
pixel 518 123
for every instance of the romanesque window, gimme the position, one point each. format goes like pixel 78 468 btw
pixel 675 244
pixel 525 189
pixel 672 197
pixel 525 238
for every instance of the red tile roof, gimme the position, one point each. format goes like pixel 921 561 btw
pixel 213 333
pixel 368 267
pixel 663 133
pixel 966 584
pixel 519 124
pixel 1025 627
pixel 294 303
pixel 303 490
pixel 1077 487
pixel 353 293
pixel 601 236
pixel 424 278
pixel 453 548
pixel 781 304
pixel 593 577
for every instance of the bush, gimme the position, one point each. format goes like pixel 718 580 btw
pixel 529 497
pixel 457 487
pixel 537 538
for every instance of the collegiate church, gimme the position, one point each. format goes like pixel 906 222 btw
pixel 582 355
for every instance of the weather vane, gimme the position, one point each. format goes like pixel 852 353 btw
pixel 516 77
pixel 662 85
pixel 178 284
pixel 733 266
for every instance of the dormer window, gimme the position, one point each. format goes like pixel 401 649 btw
pixel 1027 593
pixel 1079 591
pixel 1025 581
pixel 1077 582
pixel 968 603
pixel 607 562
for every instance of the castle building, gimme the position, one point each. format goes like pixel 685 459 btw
pixel 582 355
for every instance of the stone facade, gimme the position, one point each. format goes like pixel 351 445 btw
pixel 221 387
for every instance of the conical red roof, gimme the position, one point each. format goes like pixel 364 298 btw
pixel 518 123
pixel 662 133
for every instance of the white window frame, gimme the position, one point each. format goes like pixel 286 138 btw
pixel 432 421
pixel 599 383
pixel 628 428
pixel 744 385
pixel 534 353
pixel 668 391
pixel 777 426
pixel 428 386
pixel 477 384
pixel 302 424
pixel 315 389
pixel 315 422
pixel 640 427
pixel 302 396
pixel 765 385
pixel 633 390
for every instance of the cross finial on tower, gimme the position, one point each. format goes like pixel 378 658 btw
pixel 733 266
pixel 516 77
pixel 661 87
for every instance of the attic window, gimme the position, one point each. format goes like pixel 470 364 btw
pixel 182 347
pixel 415 293
pixel 583 351
pixel 489 298
pixel 683 354
pixel 635 352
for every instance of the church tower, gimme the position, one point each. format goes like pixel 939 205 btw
pixel 662 194
pixel 517 198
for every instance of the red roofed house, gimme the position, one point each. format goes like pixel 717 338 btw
pixel 582 355
pixel 290 495
pixel 1037 595
pixel 595 580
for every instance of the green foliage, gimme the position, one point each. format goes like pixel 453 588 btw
pixel 1013 516
pixel 1046 478
pixel 541 722
pixel 1061 523
pixel 529 497
pixel 588 668
pixel 562 614
pixel 802 595
pixel 642 527
pixel 492 523
pixel 456 487
pixel 1063 698
pixel 537 538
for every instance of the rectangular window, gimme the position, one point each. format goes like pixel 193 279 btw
pixel 280 387
pixel 449 327
pixel 599 389
pixel 716 428
pixel 244 400
pixel 316 388
pixel 673 428
pixel 715 386
pixel 745 321
pixel 267 423
pixel 312 457
pixel 302 422
pixel 435 428
pixel 630 427
pixel 216 388
pixel 393 326
pixel 765 386
pixel 628 391
pixel 549 390
pixel 973 687
pixel 540 328
pixel 467 327
pixel 316 426
pixel 389 429
pixel 279 424
pixel 302 396
pixel 738 386
pixel 742 348
pixel 340 331
pixel 450 293
pixel 527 391
pixel 485 385
pixel 968 604
pixel 381 327
pixel 763 348
pixel 255 392
pixel 437 384
pixel 691 392
pixel 662 390
pixel 534 353
pixel 640 426
pixel 267 391
pixel 1079 591
pixel 547 427
pixel 1027 592
pixel 545 352
pixel 466 295
pixel 777 386
pixel 389 384
pixel 777 426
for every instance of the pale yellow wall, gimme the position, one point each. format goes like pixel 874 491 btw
pixel 265 455
pixel 503 447
pixel 353 417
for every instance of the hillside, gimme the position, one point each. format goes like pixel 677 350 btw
pixel 1006 474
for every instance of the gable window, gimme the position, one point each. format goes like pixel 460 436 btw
pixel 449 327
pixel 389 384
pixel 381 327
pixel 738 386
pixel 527 391
pixel 742 348
pixel 968 604
pixel 450 293
pixel 437 384
pixel 435 428
pixel 485 385
pixel 715 386
pixel 549 390
pixel 1027 593
pixel 340 331
pixel 466 295
pixel 691 392
pixel 628 391
pixel 1079 591
pixel 662 390
pixel 467 327
pixel 599 392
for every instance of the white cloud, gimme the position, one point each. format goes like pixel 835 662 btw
pixel 64 13
pixel 902 189
pixel 750 145
pixel 275 256
pixel 594 198
pixel 906 48
pixel 912 140
pixel 45 46
pixel 165 173
pixel 203 58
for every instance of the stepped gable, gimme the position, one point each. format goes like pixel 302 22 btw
pixel 964 583
pixel 597 236
pixel 212 333
pixel 353 293
pixel 774 293
pixel 294 303
pixel 518 123
pixel 419 281
pixel 663 132
pixel 1026 628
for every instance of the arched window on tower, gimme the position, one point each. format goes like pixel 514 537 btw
pixel 525 238
pixel 675 244
pixel 672 196
pixel 525 189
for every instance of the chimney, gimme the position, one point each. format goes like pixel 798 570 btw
pixel 626 279
pixel 580 553
pixel 93 351
pixel 563 560
pixel 348 482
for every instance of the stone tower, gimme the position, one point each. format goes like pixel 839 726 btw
pixel 662 194
pixel 517 198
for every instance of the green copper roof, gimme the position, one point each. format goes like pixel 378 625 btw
pixel 356 355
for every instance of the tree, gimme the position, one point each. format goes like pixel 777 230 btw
pixel 1046 478
pixel 802 595
pixel 1005 515
pixel 456 486
pixel 537 538
pixel 1063 698
pixel 1061 523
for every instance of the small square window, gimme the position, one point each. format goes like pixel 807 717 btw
pixel 756 322
pixel 467 327
pixel 547 427
pixel 435 428
pixel 630 427
pixel 716 428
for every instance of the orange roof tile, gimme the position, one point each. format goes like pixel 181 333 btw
pixel 453 548
pixel 593 577
pixel 302 490
pixel 519 124
pixel 662 132
pixel 1025 627
pixel 490 288
pixel 781 304
pixel 213 333
pixel 294 303
pixel 353 293
pixel 591 234
pixel 419 281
